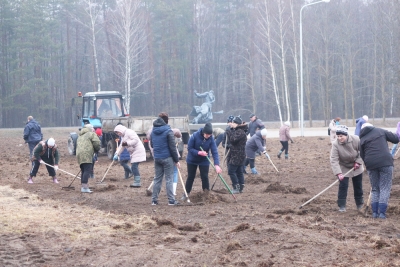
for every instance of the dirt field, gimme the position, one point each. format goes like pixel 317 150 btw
pixel 43 225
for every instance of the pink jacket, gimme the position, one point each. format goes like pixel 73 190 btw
pixel 284 133
pixel 135 146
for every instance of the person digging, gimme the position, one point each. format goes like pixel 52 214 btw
pixel 45 152
pixel 345 155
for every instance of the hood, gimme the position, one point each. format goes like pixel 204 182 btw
pixel 159 122
pixel 245 127
pixel 120 128
pixel 366 130
pixel 160 126
pixel 84 130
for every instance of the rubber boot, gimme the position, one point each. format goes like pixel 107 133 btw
pixel 375 207
pixel 382 210
pixel 174 185
pixel 55 180
pixel 85 189
pixel 279 154
pixel 241 188
pixel 286 156
pixel 30 181
pixel 342 205
pixel 136 181
pixel 254 171
pixel 235 189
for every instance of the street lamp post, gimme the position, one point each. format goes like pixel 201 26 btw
pixel 301 66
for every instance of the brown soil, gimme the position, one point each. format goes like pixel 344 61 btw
pixel 42 224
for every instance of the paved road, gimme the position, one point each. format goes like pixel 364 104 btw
pixel 315 131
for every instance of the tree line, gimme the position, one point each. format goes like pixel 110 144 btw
pixel 158 52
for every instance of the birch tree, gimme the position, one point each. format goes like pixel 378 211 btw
pixel 128 27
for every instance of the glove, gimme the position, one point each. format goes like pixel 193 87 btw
pixel 115 157
pixel 218 169
pixel 124 144
pixel 356 166
pixel 178 165
pixel 340 177
pixel 202 153
pixel 265 153
pixel 41 161
pixel 56 167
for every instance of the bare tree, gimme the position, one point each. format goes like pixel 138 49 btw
pixel 128 27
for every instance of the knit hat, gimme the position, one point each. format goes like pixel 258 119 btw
pixel 230 118
pixel 287 123
pixel 342 130
pixel 164 116
pixel 264 132
pixel 252 115
pixel 207 128
pixel 51 142
pixel 366 125
pixel 365 117
pixel 237 120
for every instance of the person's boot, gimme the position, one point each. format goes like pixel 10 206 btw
pixel 174 185
pixel 241 188
pixel 55 180
pixel 279 154
pixel 136 181
pixel 30 181
pixel 235 189
pixel 382 210
pixel 375 207
pixel 254 171
pixel 286 156
pixel 85 189
pixel 342 205
pixel 184 198
pixel 127 174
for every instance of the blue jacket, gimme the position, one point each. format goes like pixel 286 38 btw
pixel 195 142
pixel 163 141
pixel 32 132
pixel 359 123
pixel 124 155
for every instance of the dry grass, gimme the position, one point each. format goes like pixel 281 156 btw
pixel 22 212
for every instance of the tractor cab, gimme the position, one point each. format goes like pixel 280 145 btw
pixel 103 104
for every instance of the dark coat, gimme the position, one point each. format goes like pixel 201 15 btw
pixel 254 125
pixel 374 148
pixel 254 144
pixel 162 140
pixel 237 139
pixel 48 155
pixel 32 132
pixel 196 141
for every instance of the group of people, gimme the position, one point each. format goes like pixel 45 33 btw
pixel 351 152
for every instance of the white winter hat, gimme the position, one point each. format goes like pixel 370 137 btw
pixel 287 123
pixel 51 142
pixel 264 132
pixel 365 117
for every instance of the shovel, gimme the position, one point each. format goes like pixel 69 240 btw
pixel 368 203
pixel 148 191
pixel 109 167
pixel 183 185
pixel 268 157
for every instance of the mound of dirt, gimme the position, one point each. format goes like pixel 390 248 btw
pixel 277 187
pixel 109 187
pixel 206 197
pixel 256 180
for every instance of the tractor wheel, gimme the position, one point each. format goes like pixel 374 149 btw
pixel 111 148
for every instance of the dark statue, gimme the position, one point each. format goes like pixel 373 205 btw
pixel 203 114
